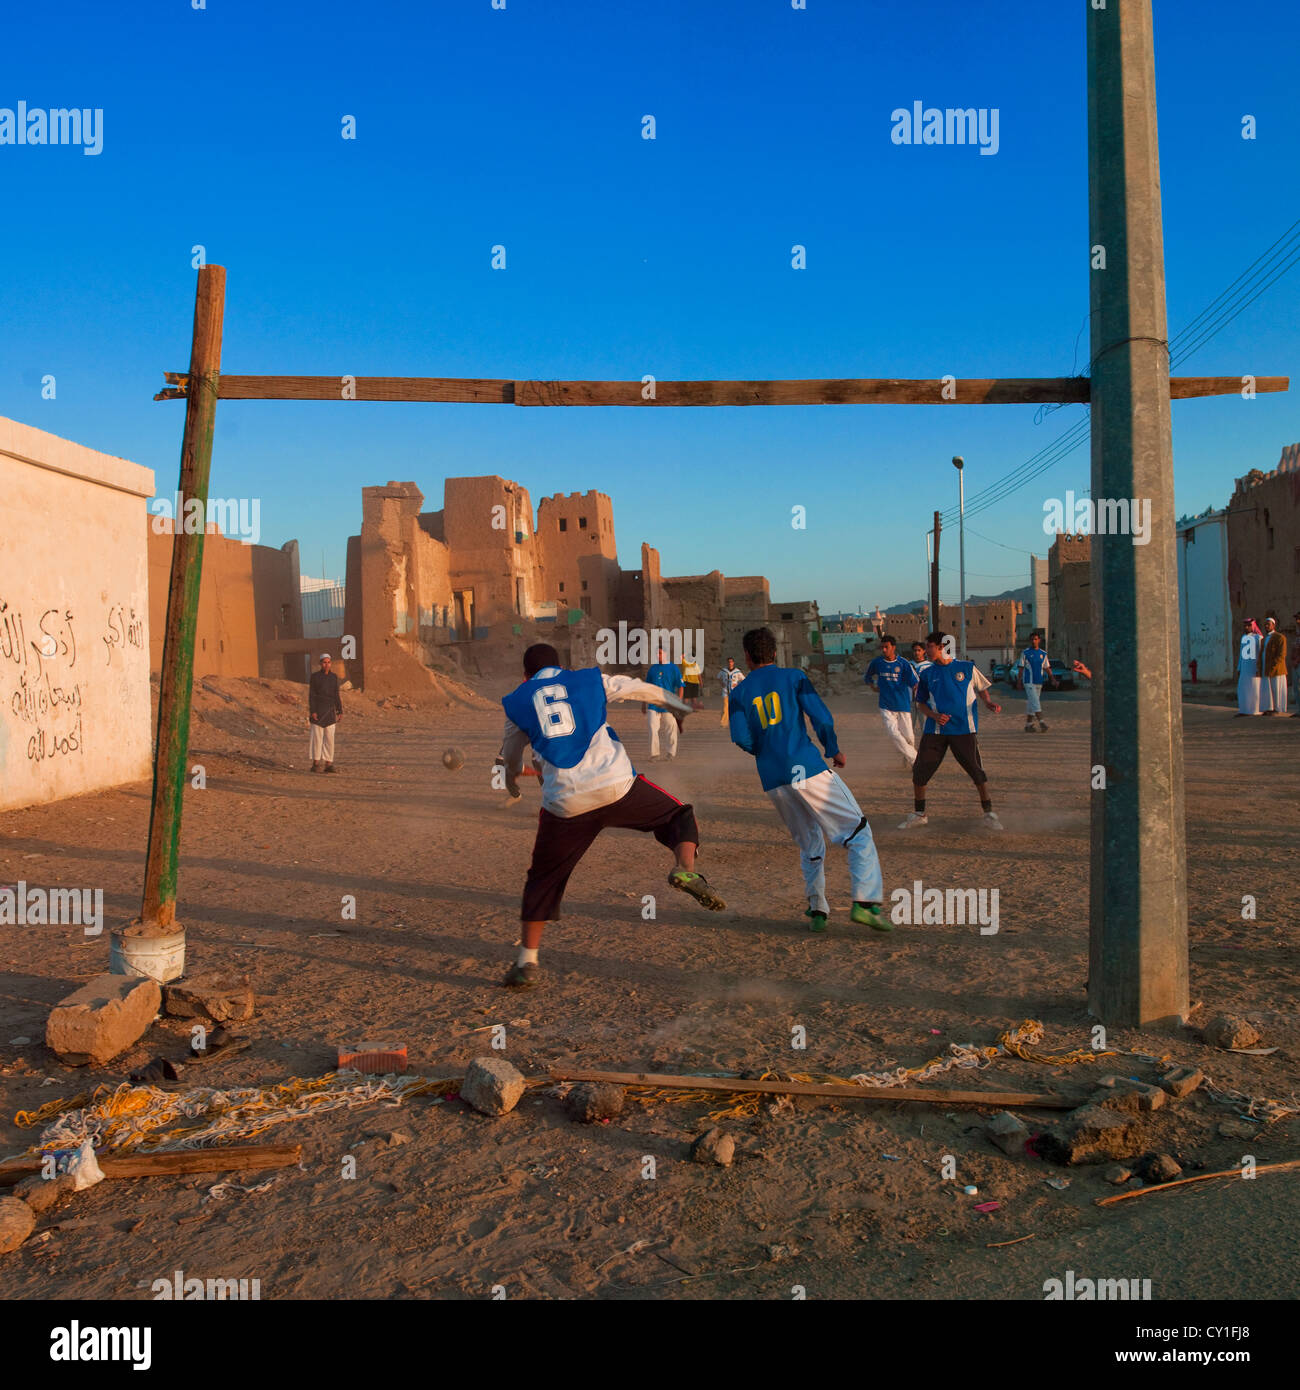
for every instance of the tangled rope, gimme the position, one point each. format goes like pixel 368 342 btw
pixel 121 1119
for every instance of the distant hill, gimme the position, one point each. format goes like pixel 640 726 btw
pixel 1024 594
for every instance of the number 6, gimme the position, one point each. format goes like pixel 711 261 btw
pixel 554 713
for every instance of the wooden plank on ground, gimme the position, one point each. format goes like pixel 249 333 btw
pixel 847 1091
pixel 236 1158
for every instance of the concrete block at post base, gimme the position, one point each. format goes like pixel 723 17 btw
pixel 102 1018
pixel 212 996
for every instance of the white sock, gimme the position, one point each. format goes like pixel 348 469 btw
pixel 527 955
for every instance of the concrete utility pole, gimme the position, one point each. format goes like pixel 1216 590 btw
pixel 1138 954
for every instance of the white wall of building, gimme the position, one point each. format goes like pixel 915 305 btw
pixel 74 618
pixel 1205 618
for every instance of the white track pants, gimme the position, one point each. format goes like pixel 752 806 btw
pixel 1272 694
pixel 322 743
pixel 898 725
pixel 662 722
pixel 1033 699
pixel 822 809
pixel 1247 692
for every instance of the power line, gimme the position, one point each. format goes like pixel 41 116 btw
pixel 1190 339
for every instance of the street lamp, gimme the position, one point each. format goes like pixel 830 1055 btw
pixel 959 464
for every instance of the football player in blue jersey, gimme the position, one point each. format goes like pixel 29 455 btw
pixel 768 709
pixel 947 692
pixel 894 680
pixel 588 785
pixel 1035 670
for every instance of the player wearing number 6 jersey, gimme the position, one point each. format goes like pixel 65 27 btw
pixel 588 785
pixel 768 709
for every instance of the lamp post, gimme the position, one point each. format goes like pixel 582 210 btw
pixel 959 464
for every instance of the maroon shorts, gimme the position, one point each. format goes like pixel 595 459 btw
pixel 563 840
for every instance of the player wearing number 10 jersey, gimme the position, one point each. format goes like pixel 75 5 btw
pixel 588 785
pixel 768 709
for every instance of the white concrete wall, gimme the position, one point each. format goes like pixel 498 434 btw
pixel 1205 616
pixel 74 618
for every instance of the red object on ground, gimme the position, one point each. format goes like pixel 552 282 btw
pixel 374 1061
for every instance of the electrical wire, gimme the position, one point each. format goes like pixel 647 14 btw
pixel 1269 266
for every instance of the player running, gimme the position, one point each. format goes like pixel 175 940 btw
pixel 894 680
pixel 1035 668
pixel 667 675
pixel 947 691
pixel 588 785
pixel 767 720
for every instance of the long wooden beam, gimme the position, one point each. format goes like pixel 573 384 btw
pixel 237 1158
pixel 848 1091
pixel 1069 390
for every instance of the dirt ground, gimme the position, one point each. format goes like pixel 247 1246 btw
pixel 841 1200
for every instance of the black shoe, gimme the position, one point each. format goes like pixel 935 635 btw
pixel 522 977
pixel 315 767
pixel 329 767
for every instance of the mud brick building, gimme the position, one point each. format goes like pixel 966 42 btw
pixel 1264 543
pixel 473 583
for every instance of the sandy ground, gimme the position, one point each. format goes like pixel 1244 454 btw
pixel 844 1200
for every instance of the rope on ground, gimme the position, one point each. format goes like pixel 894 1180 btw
pixel 1015 1042
pixel 118 1120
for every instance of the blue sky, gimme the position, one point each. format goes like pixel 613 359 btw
pixel 628 256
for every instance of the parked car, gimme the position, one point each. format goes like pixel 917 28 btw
pixel 1001 672
pixel 1064 675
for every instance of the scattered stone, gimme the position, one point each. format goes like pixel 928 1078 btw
pixel 389 1136
pixel 104 1017
pixel 218 998
pixel 1117 1174
pixel 777 1252
pixel 1008 1132
pixel 1182 1081
pixel 714 1147
pixel 160 1069
pixel 1229 1031
pixel 1239 1129
pixel 1091 1134
pixel 41 1193
pixel 17 1220
pixel 594 1100
pixel 1161 1168
pixel 492 1086
pixel 1131 1097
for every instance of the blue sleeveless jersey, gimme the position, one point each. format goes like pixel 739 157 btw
pixel 561 712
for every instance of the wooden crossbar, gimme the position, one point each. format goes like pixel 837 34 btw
pixel 1068 390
